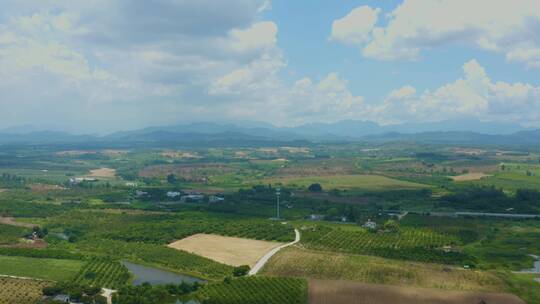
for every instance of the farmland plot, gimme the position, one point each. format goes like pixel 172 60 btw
pixel 20 291
pixel 323 292
pixel 227 250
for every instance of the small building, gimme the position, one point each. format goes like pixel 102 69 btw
pixel 192 198
pixel 173 194
pixel 316 217
pixel 370 225
pixel 131 184
pixel 61 298
pixel 215 199
pixel 140 193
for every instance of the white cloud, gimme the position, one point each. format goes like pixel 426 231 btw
pixel 474 95
pixel 259 35
pixel 508 27
pixel 355 28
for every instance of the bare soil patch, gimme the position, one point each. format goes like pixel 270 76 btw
pixel 102 172
pixel 32 244
pixel 45 187
pixel 11 221
pixel 180 154
pixel 469 176
pixel 345 292
pixel 227 250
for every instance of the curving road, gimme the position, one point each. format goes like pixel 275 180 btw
pixel 270 253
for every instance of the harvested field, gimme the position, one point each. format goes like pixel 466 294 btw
pixel 345 292
pixel 28 244
pixel 21 291
pixel 45 187
pixel 180 154
pixel 102 172
pixel 227 250
pixel 469 177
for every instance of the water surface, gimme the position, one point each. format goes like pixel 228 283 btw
pixel 156 276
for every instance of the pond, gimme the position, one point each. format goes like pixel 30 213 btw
pixel 156 276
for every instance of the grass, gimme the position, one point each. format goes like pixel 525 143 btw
pixel 514 177
pixel 20 291
pixel 348 182
pixel 297 262
pixel 524 286
pixel 46 269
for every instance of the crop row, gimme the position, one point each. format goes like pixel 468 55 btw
pixel 103 272
pixel 256 290
pixel 20 291
pixel 409 244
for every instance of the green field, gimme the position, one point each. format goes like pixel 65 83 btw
pixel 46 269
pixel 406 243
pixel 348 182
pixel 256 290
pixel 103 272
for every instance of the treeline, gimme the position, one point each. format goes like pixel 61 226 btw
pixel 491 199
pixel 12 181
pixel 148 294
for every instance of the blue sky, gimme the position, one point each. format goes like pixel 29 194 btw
pixel 101 66
pixel 305 27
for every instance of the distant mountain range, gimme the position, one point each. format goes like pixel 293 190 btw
pixel 243 132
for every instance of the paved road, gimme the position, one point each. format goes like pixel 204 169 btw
pixel 270 253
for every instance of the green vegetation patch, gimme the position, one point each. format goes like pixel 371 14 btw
pixel 357 182
pixel 256 290
pixel 46 269
pixel 418 244
pixel 103 272
pixel 12 234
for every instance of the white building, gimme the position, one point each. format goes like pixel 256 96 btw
pixel 215 199
pixel 370 225
pixel 173 194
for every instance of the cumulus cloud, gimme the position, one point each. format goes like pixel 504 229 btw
pixel 473 95
pixel 508 27
pixel 120 63
pixel 356 27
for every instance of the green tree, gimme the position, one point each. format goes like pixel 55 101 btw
pixel 316 187
pixel 240 271
pixel 171 178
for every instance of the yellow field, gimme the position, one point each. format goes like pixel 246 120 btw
pixel 102 172
pixel 469 177
pixel 298 262
pixel 345 292
pixel 348 181
pixel 20 291
pixel 227 250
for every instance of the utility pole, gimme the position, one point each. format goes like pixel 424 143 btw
pixel 277 204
